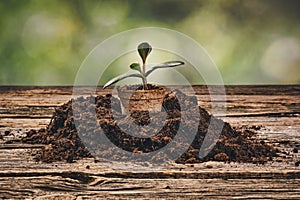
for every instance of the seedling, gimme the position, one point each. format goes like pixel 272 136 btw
pixel 144 50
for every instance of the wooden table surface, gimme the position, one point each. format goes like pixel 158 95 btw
pixel 276 109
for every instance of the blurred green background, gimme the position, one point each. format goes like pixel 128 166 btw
pixel 43 42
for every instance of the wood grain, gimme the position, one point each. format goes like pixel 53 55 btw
pixel 274 110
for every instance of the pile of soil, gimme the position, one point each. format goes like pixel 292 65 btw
pixel 64 144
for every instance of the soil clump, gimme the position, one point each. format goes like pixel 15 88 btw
pixel 63 142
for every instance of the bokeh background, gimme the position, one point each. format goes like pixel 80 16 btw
pixel 43 42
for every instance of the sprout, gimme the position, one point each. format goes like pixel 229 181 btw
pixel 144 50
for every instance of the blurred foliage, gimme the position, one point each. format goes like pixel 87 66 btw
pixel 43 42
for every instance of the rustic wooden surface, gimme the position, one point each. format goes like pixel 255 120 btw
pixel 276 109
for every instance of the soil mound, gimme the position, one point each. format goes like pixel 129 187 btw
pixel 64 144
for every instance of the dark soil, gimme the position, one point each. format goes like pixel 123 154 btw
pixel 64 144
pixel 140 87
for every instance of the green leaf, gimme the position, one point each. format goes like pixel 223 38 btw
pixel 168 64
pixel 136 66
pixel 121 77
pixel 144 50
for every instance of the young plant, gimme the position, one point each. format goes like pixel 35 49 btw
pixel 144 50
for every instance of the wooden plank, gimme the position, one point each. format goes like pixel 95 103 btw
pixel 275 109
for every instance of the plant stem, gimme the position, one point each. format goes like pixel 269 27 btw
pixel 145 87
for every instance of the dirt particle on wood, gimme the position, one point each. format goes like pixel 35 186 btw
pixel 168 187
pixel 6 133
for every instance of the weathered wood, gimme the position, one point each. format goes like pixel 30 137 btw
pixel 276 109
